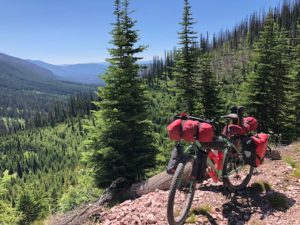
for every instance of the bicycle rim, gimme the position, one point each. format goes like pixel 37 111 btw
pixel 236 174
pixel 181 195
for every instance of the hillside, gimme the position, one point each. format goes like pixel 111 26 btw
pixel 20 75
pixel 271 198
pixel 87 73
pixel 27 90
pixel 43 166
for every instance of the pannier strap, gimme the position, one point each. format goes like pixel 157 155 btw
pixel 196 135
pixel 259 158
pixel 181 128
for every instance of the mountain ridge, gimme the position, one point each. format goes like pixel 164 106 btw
pixel 87 73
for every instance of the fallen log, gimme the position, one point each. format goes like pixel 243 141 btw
pixel 121 190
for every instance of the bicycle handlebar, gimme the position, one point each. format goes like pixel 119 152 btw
pixel 194 118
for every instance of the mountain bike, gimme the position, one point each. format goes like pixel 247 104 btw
pixel 196 163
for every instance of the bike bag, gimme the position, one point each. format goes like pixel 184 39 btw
pixel 254 149
pixel 250 123
pixel 176 156
pixel 190 130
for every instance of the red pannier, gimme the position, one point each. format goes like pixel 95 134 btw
pixel 190 130
pixel 250 123
pixel 254 149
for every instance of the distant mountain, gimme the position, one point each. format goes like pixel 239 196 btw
pixel 27 89
pixel 17 67
pixel 83 73
pixel 18 74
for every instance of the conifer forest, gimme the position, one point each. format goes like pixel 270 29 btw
pixel 62 144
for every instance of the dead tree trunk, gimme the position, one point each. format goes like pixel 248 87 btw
pixel 120 190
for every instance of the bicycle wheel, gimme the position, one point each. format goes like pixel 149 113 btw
pixel 181 194
pixel 236 174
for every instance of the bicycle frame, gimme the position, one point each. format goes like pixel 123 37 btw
pixel 196 146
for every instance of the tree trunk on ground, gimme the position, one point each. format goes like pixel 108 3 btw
pixel 120 190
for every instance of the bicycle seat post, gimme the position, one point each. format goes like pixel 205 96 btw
pixel 240 112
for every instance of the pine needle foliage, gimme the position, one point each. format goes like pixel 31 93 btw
pixel 269 84
pixel 121 141
pixel 209 103
pixel 186 63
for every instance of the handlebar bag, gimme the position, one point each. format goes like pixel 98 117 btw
pixel 175 130
pixel 206 133
pixel 190 130
pixel 254 149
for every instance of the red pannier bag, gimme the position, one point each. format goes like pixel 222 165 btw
pixel 250 123
pixel 206 133
pixel 233 129
pixel 175 130
pixel 254 149
pixel 190 130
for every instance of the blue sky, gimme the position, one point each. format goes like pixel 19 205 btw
pixel 77 31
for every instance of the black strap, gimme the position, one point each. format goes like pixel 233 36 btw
pixel 196 135
pixel 181 128
pixel 260 159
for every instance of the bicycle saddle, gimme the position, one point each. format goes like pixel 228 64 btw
pixel 232 116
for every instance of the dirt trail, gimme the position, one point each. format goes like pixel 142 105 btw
pixel 279 205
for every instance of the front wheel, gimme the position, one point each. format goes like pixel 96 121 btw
pixel 236 174
pixel 181 194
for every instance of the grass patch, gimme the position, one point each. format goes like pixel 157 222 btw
pixel 177 213
pixel 205 209
pixel 278 200
pixel 296 173
pixel 297 149
pixel 262 186
pixel 290 161
pixel 191 219
pixel 294 164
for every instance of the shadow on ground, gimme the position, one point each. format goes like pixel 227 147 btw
pixel 242 205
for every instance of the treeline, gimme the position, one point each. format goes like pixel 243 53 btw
pixel 230 58
pixel 40 112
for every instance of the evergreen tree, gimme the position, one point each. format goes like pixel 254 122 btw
pixel 210 105
pixel 29 208
pixel 269 82
pixel 296 76
pixel 186 63
pixel 121 139
pixel 8 214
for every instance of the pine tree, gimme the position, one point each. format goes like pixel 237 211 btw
pixel 296 75
pixel 121 140
pixel 186 63
pixel 210 104
pixel 29 208
pixel 8 214
pixel 269 82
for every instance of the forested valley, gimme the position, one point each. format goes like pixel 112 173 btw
pixel 60 150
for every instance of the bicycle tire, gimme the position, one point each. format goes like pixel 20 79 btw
pixel 175 185
pixel 228 183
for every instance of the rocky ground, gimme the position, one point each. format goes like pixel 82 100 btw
pixel 272 197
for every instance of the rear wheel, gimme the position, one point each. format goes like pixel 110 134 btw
pixel 236 174
pixel 181 194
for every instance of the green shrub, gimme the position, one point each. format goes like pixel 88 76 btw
pixel 205 209
pixel 191 219
pixel 262 186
